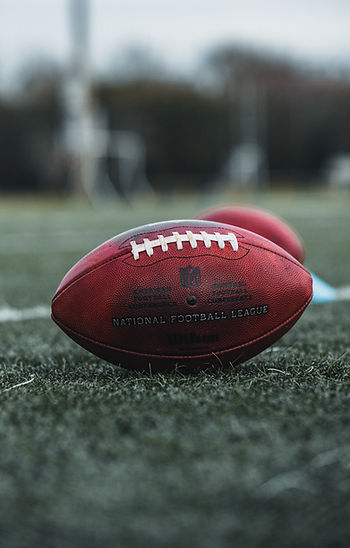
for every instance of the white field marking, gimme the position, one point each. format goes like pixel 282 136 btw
pixel 53 242
pixel 9 314
pixel 343 293
pixel 273 349
pixel 19 384
pixel 178 239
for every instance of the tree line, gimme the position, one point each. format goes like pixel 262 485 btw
pixel 299 117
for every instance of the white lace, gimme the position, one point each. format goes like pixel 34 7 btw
pixel 178 239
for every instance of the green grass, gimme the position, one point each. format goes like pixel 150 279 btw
pixel 94 456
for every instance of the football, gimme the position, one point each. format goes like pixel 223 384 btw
pixel 186 293
pixel 260 221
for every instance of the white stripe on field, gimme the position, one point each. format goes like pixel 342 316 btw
pixel 9 314
pixel 55 242
pixel 343 293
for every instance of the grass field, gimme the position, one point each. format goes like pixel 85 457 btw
pixel 94 456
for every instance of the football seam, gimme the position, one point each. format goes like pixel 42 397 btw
pixel 195 356
pixel 151 262
pixel 124 252
pixel 86 272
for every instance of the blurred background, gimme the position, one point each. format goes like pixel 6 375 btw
pixel 114 98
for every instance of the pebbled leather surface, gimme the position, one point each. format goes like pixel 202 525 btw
pixel 261 222
pixel 186 307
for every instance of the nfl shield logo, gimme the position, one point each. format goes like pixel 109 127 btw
pixel 190 276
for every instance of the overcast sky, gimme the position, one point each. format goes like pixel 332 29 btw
pixel 177 31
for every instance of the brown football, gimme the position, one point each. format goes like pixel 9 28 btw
pixel 186 293
pixel 262 222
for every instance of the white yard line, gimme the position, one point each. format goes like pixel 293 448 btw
pixel 55 242
pixel 343 293
pixel 9 314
